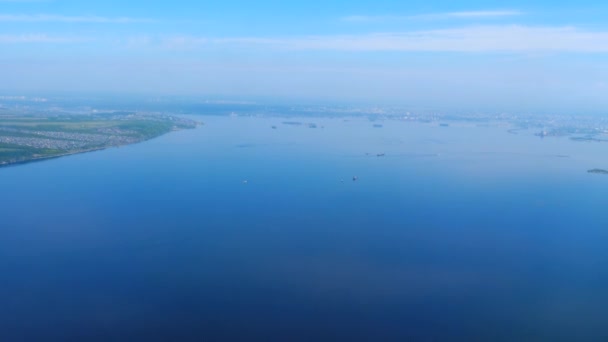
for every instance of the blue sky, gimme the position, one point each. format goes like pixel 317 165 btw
pixel 549 55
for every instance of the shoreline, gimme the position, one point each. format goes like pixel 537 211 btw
pixel 97 149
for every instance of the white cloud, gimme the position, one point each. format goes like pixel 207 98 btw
pixel 37 38
pixel 434 16
pixel 183 42
pixel 30 18
pixel 482 14
pixel 510 38
pixel 471 39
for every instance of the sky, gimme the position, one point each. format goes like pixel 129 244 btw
pixel 541 56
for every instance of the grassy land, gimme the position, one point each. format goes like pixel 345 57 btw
pixel 17 153
pixel 26 138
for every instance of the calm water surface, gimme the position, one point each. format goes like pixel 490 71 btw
pixel 457 233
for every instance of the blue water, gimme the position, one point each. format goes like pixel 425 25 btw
pixel 457 233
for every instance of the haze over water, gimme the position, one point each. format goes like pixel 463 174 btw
pixel 456 233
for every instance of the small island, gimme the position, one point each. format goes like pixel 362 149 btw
pixel 27 137
pixel 599 171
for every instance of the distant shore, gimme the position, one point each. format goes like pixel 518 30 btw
pixel 598 171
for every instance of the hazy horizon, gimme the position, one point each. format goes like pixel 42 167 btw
pixel 469 55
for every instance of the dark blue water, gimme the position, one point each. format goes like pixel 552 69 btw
pixel 459 233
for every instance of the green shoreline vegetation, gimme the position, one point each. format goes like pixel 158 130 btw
pixel 28 137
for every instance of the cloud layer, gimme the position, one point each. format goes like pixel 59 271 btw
pixel 435 16
pixel 37 38
pixel 511 38
pixel 31 18
pixel 470 39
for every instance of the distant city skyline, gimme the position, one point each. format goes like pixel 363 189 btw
pixel 462 55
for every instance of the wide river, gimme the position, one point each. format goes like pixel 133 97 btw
pixel 236 231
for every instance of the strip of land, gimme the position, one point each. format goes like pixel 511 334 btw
pixel 26 137
pixel 599 171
